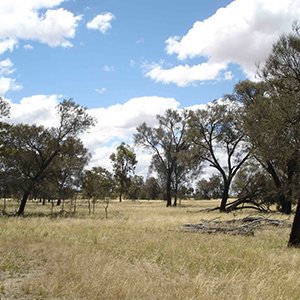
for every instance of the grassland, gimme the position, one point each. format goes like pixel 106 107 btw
pixel 141 252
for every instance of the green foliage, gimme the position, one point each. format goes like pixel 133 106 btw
pixel 169 144
pixel 98 183
pixel 214 130
pixel 136 188
pixel 73 119
pixel 33 156
pixel 271 116
pixel 124 163
pixel 4 108
pixel 210 188
pixel 152 189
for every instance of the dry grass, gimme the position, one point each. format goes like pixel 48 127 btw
pixel 140 252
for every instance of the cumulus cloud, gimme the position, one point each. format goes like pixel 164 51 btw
pixel 115 123
pixel 6 83
pixel 101 22
pixel 35 20
pixel 184 75
pixel 118 122
pixel 38 109
pixel 241 33
pixel 7 44
pixel 6 67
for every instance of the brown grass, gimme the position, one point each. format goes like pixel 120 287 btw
pixel 141 252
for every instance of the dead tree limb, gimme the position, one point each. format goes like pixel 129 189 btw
pixel 245 226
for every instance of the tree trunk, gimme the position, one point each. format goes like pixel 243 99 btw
pixel 168 198
pixel 175 201
pixel 294 240
pixel 52 206
pixel 286 206
pixel 225 196
pixel 106 209
pixel 120 197
pixel 23 203
pixel 75 204
pixel 94 204
pixel 89 206
pixel 4 205
pixel 168 191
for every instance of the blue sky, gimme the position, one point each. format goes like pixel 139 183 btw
pixel 137 36
pixel 129 60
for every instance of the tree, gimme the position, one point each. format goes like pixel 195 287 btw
pixel 261 116
pixel 136 187
pixel 124 163
pixel 152 189
pixel 210 188
pixel 167 142
pixel 98 184
pixel 32 151
pixel 272 119
pixel 68 169
pixel 282 75
pixel 4 108
pixel 220 141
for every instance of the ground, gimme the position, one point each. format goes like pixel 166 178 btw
pixel 142 252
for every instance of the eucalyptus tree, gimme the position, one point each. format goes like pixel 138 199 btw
pixel 136 188
pixel 152 189
pixel 4 108
pixel 32 152
pixel 170 146
pixel 272 120
pixel 124 163
pixel 67 175
pixel 217 134
pixel 263 123
pixel 281 73
pixel 98 184
pixel 210 188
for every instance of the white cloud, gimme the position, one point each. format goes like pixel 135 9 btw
pixel 184 75
pixel 101 22
pixel 28 47
pixel 100 91
pixel 120 121
pixel 6 83
pixel 38 109
pixel 115 123
pixel 108 68
pixel 132 63
pixel 241 33
pixel 7 44
pixel 228 75
pixel 6 67
pixel 35 20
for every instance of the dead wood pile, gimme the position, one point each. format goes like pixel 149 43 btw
pixel 245 226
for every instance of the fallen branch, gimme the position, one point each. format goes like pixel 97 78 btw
pixel 247 203
pixel 245 226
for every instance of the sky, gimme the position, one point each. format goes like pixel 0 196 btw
pixel 129 60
